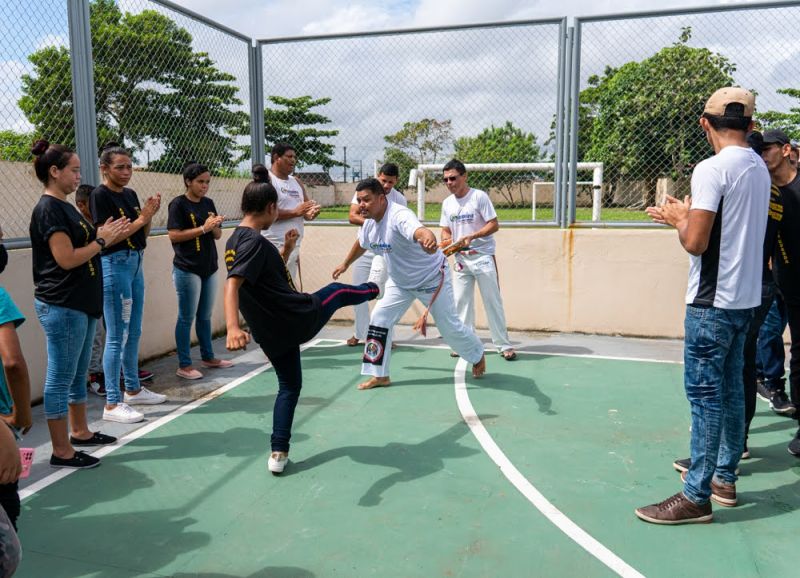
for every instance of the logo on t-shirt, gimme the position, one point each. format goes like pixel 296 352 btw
pixel 466 218
pixel 230 257
pixel 380 247
pixel 294 193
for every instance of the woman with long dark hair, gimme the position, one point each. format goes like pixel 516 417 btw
pixel 194 226
pixel 68 299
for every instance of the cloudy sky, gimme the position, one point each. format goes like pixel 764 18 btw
pixel 275 18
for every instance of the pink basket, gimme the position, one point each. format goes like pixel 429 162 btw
pixel 26 457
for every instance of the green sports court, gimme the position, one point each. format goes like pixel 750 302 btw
pixel 533 470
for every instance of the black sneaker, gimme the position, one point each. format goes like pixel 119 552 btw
pixel 780 403
pixel 97 439
pixel 80 461
pixel 682 465
pixel 763 391
pixel 794 445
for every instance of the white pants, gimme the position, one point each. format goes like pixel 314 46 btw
pixel 395 302
pixel 368 267
pixel 480 268
pixel 292 263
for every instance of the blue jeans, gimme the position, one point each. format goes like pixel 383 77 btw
pixel 713 364
pixel 69 335
pixel 123 306
pixel 771 355
pixel 287 364
pixel 195 303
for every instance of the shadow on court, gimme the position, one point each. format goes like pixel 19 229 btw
pixel 412 461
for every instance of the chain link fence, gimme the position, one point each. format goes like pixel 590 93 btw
pixel 483 94
pixel 175 87
pixel 34 48
pixel 644 80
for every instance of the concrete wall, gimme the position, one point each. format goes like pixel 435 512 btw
pixel 627 282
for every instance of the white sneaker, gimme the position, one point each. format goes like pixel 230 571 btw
pixel 123 413
pixel 145 397
pixel 277 462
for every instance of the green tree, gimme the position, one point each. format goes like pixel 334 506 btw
pixel 291 120
pixel 15 146
pixel 789 122
pixel 644 114
pixel 150 87
pixel 424 140
pixel 503 144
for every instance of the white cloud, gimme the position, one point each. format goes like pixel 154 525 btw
pixel 54 40
pixel 352 18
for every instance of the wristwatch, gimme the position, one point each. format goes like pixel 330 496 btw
pixel 100 241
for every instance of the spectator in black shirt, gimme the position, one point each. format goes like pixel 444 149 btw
pixel 68 299
pixel 123 283
pixel 193 226
pixel 279 317
pixel 786 259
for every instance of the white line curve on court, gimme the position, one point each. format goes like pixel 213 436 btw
pixel 534 496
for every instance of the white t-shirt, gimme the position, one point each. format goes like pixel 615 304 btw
pixel 468 215
pixel 393 196
pixel 290 195
pixel 409 266
pixel 735 185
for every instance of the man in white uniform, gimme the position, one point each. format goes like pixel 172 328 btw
pixel 368 262
pixel 469 219
pixel 417 270
pixel 294 206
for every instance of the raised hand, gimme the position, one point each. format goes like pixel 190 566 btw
pixel 113 229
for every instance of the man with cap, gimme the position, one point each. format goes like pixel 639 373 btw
pixel 722 227
pixel 776 155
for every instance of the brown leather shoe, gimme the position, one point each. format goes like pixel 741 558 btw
pixel 722 493
pixel 677 509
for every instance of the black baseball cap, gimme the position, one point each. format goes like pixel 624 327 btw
pixel 776 137
pixel 756 141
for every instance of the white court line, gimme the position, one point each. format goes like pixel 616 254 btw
pixel 144 430
pixel 549 354
pixel 570 528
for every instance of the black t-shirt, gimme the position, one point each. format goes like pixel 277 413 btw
pixel 279 317
pixel 771 236
pixel 198 255
pixel 105 203
pixel 786 260
pixel 80 288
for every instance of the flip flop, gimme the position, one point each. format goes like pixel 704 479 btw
pixel 509 355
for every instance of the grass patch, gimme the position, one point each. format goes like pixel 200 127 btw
pixel 543 214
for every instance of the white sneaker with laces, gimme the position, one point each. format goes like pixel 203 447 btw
pixel 123 413
pixel 277 462
pixel 145 397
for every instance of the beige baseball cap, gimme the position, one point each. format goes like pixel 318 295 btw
pixel 730 94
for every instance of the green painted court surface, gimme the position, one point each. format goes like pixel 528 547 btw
pixel 392 482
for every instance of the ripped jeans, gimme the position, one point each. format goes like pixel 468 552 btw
pixel 123 305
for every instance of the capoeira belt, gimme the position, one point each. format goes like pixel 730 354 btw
pixel 422 323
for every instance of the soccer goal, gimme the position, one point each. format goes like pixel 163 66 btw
pixel 417 179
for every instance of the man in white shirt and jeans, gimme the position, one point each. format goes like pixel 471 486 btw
pixel 469 219
pixel 417 270
pixel 369 263
pixel 722 227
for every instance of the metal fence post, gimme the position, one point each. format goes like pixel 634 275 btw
pixel 256 76
pixel 560 114
pixel 574 128
pixel 83 105
pixel 564 161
